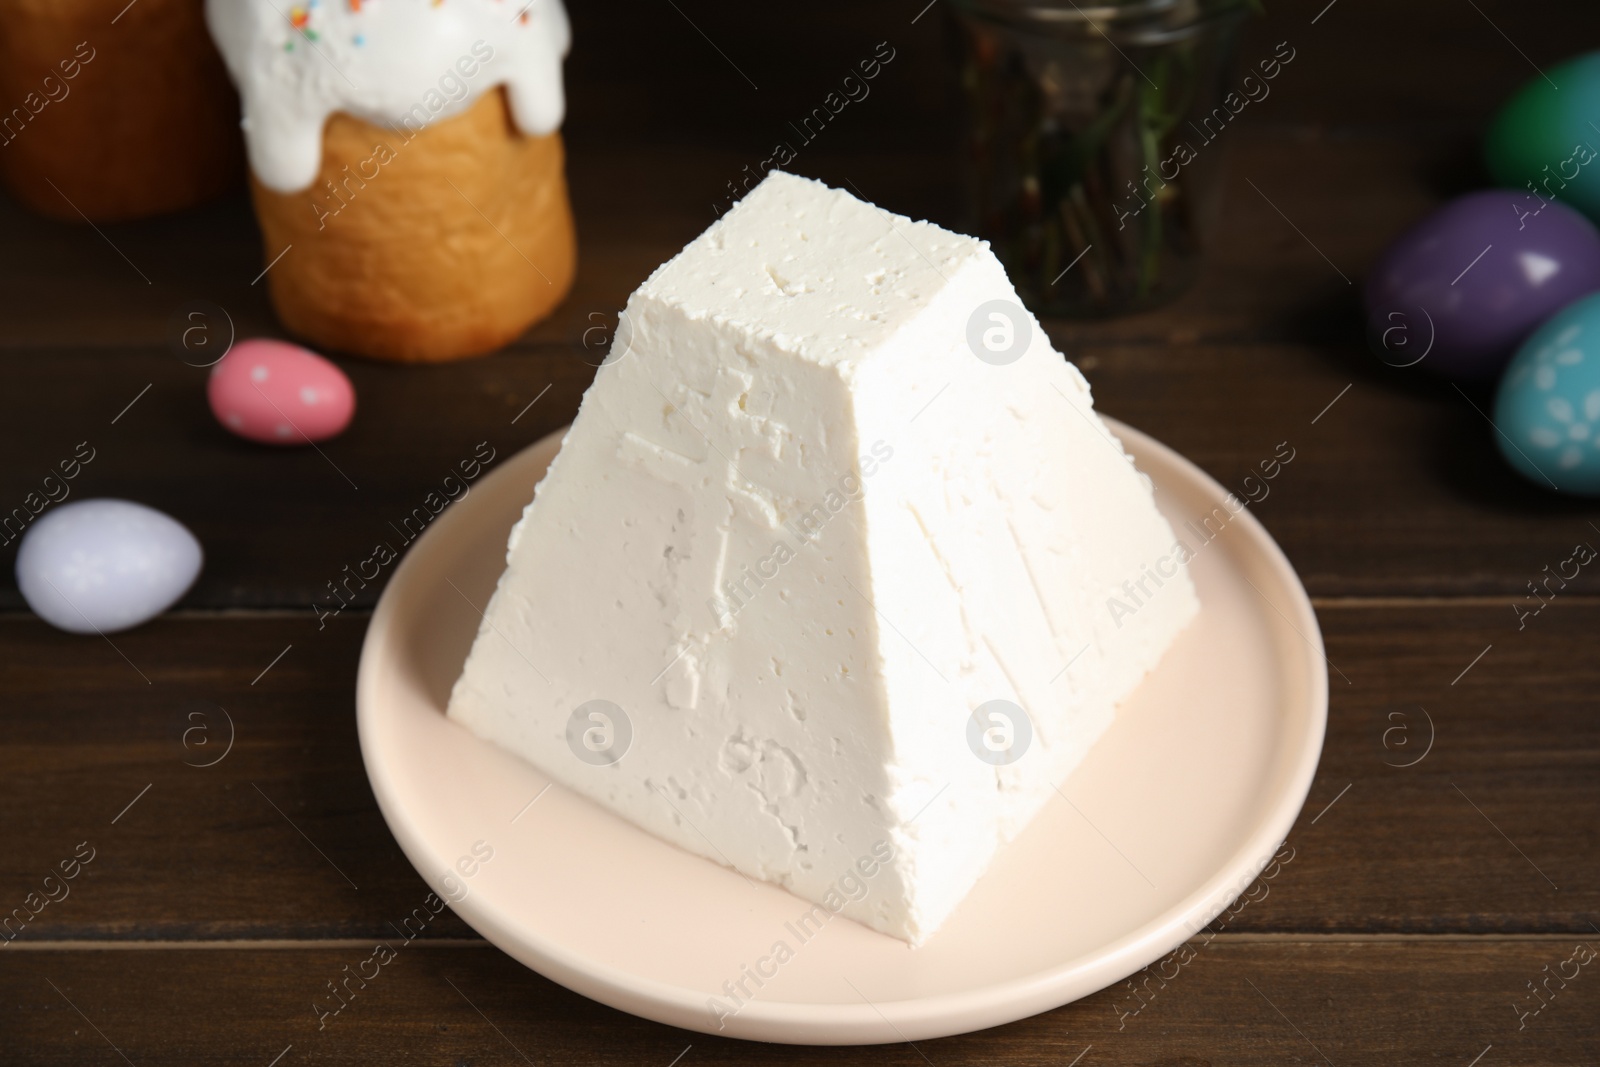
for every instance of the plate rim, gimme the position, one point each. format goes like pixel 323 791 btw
pixel 890 1021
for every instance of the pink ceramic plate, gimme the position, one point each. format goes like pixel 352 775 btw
pixel 1174 812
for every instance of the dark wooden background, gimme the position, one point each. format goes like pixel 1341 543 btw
pixel 1419 905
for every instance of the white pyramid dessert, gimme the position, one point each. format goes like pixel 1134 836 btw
pixel 833 494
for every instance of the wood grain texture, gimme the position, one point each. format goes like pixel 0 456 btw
pixel 1396 489
pixel 273 840
pixel 1243 1003
pixel 1448 854
pixel 68 287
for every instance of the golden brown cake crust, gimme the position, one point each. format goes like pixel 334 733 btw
pixel 427 246
pixel 127 119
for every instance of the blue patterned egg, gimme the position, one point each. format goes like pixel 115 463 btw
pixel 1548 407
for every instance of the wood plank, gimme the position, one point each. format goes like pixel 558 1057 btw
pixel 1395 489
pixel 69 287
pixel 1426 879
pixel 641 191
pixel 277 525
pixel 1241 1002
pixel 1500 816
pixel 1428 64
pixel 1399 488
pixel 1355 59
pixel 281 834
pixel 1472 838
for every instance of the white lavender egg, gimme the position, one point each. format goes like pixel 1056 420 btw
pixel 98 566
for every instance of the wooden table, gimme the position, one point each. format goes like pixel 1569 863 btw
pixel 1421 902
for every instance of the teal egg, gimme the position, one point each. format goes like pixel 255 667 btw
pixel 1544 140
pixel 1548 407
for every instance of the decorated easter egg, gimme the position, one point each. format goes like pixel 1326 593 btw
pixel 1548 407
pixel 1542 143
pixel 1461 289
pixel 98 566
pixel 280 394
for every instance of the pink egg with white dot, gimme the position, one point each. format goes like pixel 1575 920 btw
pixel 280 394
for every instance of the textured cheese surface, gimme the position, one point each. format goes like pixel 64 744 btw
pixel 798 532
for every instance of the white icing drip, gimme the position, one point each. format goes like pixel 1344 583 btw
pixel 395 63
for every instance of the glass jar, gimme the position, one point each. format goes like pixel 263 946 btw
pixel 1095 175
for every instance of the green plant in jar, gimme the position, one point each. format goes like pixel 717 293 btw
pixel 1094 174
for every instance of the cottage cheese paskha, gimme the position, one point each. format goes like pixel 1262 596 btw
pixel 797 535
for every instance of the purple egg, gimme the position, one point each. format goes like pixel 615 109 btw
pixel 1461 289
